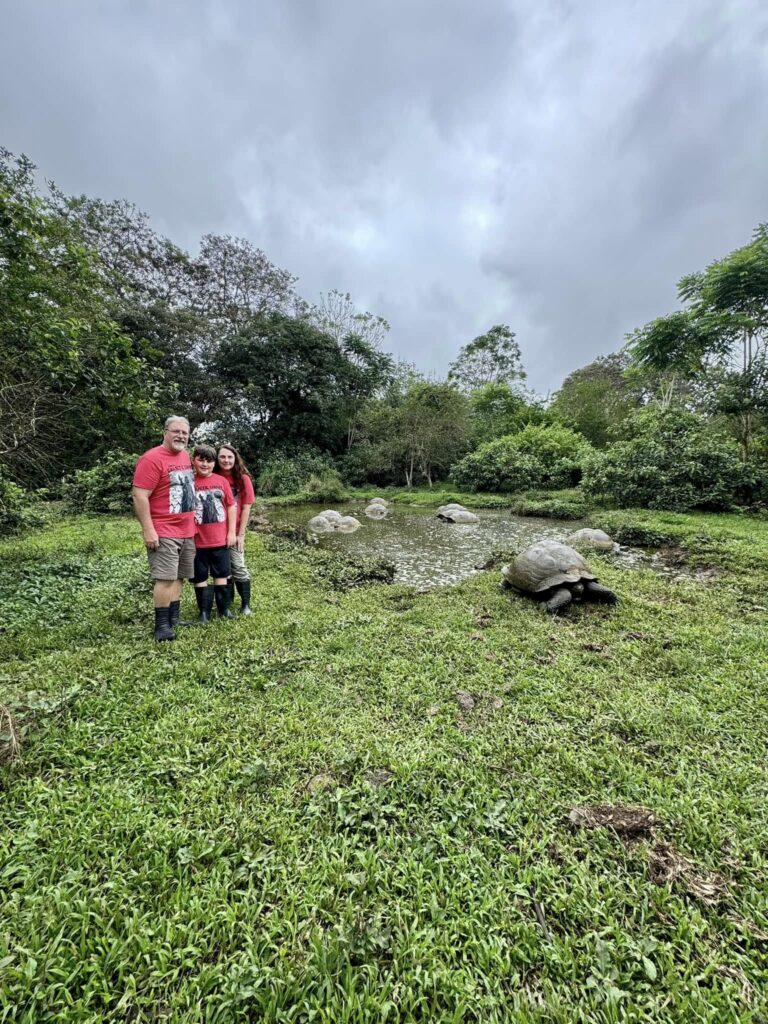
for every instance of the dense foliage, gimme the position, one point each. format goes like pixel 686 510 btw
pixel 104 488
pixel 672 460
pixel 106 327
pixel 305 470
pixel 536 457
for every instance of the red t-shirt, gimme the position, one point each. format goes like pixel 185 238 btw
pixel 243 494
pixel 213 496
pixel 168 475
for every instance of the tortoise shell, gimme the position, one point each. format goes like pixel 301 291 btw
pixel 546 564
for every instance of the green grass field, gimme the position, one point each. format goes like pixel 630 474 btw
pixel 294 818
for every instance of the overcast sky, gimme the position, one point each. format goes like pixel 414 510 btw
pixel 549 164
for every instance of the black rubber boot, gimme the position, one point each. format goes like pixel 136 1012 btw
pixel 163 629
pixel 175 620
pixel 221 592
pixel 204 597
pixel 244 590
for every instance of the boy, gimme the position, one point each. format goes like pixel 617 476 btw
pixel 215 513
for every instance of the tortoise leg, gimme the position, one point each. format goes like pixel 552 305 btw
pixel 597 592
pixel 505 585
pixel 561 598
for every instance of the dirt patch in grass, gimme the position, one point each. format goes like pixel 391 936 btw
pixel 626 821
pixel 667 866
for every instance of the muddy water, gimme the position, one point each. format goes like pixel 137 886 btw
pixel 427 552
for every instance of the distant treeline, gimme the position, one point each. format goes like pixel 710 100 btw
pixel 106 326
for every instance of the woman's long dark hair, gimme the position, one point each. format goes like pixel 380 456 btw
pixel 239 470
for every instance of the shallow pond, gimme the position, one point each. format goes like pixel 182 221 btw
pixel 427 552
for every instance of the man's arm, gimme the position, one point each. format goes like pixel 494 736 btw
pixel 244 517
pixel 141 508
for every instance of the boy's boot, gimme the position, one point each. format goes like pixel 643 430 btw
pixel 221 590
pixel 230 591
pixel 244 590
pixel 204 597
pixel 163 629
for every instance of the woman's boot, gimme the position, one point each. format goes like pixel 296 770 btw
pixel 244 590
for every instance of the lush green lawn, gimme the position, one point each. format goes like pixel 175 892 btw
pixel 291 818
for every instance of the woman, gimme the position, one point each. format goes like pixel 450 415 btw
pixel 230 465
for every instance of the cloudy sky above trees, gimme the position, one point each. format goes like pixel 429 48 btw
pixel 548 164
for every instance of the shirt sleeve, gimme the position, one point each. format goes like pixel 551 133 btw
pixel 227 491
pixel 147 473
pixel 247 497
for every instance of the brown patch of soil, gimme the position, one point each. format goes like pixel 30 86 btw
pixel 666 865
pixel 626 821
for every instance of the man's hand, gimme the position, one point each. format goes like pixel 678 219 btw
pixel 151 540
pixel 239 543
pixel 231 540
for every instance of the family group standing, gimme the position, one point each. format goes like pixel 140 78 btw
pixel 194 516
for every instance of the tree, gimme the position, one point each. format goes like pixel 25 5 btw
pixel 720 339
pixel 418 433
pixel 596 398
pixel 71 385
pixel 492 358
pixel 369 372
pixel 499 409
pixel 337 315
pixel 290 385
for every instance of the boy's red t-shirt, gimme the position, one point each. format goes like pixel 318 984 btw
pixel 243 495
pixel 169 476
pixel 213 496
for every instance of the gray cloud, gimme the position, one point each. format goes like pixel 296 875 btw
pixel 555 166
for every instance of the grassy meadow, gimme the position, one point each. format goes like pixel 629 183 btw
pixel 359 804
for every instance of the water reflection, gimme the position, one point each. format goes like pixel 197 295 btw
pixel 427 552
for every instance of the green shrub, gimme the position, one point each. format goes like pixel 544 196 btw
pixel 19 510
pixel 672 460
pixel 562 505
pixel 325 486
pixel 547 457
pixel 289 474
pixel 104 489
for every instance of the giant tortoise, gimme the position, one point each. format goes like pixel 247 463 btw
pixel 556 574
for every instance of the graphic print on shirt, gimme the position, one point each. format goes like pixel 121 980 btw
pixel 209 507
pixel 181 496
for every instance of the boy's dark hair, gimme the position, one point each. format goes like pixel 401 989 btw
pixel 204 451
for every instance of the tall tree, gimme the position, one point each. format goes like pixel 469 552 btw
pixel 337 315
pixel 500 409
pixel 492 358
pixel 596 398
pixel 71 385
pixel 722 336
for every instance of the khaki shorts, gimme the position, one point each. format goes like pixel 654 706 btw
pixel 173 560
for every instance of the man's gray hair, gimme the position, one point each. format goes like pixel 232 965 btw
pixel 172 419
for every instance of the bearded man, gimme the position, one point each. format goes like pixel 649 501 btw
pixel 164 503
